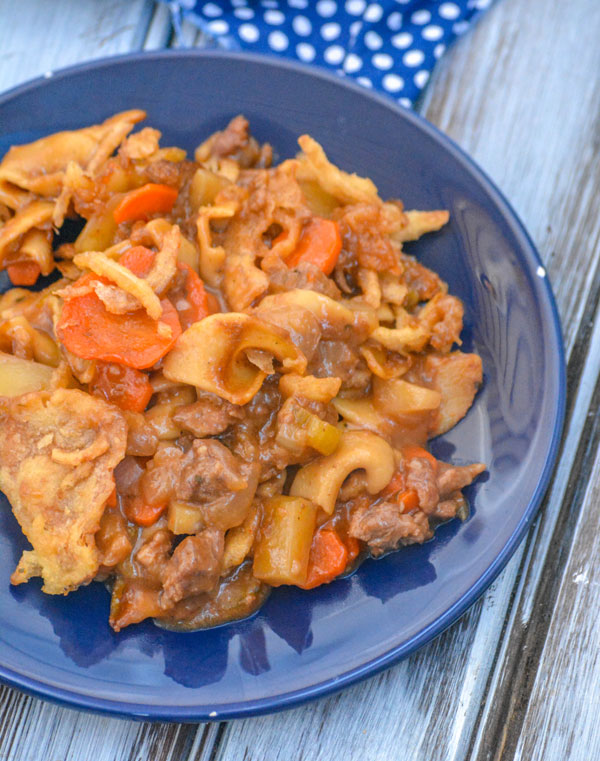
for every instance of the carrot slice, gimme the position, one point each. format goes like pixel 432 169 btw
pixel 112 500
pixel 328 558
pixel 398 483
pixel 141 513
pixel 320 244
pixel 129 389
pixel 194 305
pixel 133 339
pixel 142 202
pixel 408 500
pixel 138 259
pixel 23 273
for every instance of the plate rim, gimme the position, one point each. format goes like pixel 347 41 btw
pixel 128 710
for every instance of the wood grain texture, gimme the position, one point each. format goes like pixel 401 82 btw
pixel 495 685
pixel 39 39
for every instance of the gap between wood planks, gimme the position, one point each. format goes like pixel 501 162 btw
pixel 500 728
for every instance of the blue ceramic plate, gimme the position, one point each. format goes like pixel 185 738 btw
pixel 302 645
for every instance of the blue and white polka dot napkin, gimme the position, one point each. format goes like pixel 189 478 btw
pixel 391 45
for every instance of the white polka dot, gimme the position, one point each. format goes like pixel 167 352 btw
pixel 238 3
pixel 402 40
pixel 449 10
pixel 355 7
pixel 394 21
pixel 278 41
pixel 326 8
pixel 413 58
pixel 382 61
pixel 372 40
pixel 439 50
pixel 301 4
pixel 432 32
pixel 274 17
pixel 302 26
pixel 334 54
pixel 244 13
pixel 355 28
pixel 373 13
pixel 330 31
pixel 364 81
pixel 460 27
pixel 211 10
pixel 268 3
pixel 404 102
pixel 421 17
pixel 248 32
pixel 392 83
pixel 421 78
pixel 352 63
pixel 218 26
pixel 305 52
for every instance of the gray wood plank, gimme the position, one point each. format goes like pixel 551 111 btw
pixel 498 94
pixel 561 720
pixel 44 36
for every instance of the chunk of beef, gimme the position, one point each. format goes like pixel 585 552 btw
pixel 208 416
pixel 194 567
pixel 453 478
pixel 304 275
pixel 236 143
pixel 384 527
pixel 335 359
pixel 207 474
pixel 421 476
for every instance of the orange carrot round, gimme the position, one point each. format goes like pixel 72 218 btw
pixel 141 513
pixel 320 243
pixel 142 202
pixel 90 331
pixel 194 305
pixel 23 273
pixel 328 558
pixel 129 389
pixel 138 259
pixel 408 500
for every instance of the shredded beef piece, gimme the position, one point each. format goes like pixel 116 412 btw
pixel 443 315
pixel 154 554
pixel 163 172
pixel 236 143
pixel 207 474
pixel 419 279
pixel 421 477
pixel 454 478
pixel 305 275
pixel 209 416
pixel 364 234
pixel 383 527
pixel 338 360
pixel 194 567
pixel 209 471
pixel 142 440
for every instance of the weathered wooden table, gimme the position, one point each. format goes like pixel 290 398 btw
pixel 517 677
